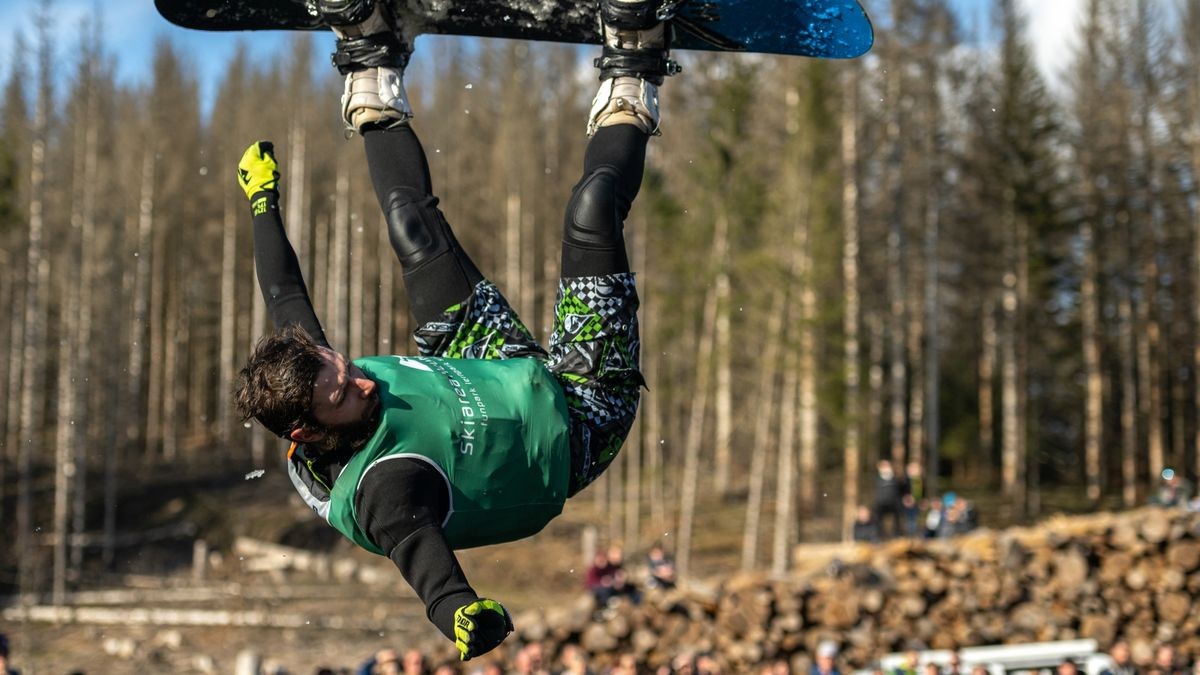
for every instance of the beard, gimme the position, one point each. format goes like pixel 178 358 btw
pixel 347 437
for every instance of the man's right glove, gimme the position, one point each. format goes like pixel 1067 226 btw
pixel 257 171
pixel 480 627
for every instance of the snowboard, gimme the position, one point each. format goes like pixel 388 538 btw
pixel 817 28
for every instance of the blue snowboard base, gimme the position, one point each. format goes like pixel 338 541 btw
pixel 819 28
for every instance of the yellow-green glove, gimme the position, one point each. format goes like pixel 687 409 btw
pixel 257 171
pixel 480 627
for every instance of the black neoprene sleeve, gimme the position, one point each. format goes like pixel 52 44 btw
pixel 401 504
pixel 279 274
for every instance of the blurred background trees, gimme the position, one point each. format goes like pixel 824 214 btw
pixel 928 255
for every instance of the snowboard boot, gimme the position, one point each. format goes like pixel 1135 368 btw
pixel 633 63
pixel 372 55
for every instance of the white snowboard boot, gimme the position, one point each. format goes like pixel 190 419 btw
pixel 634 61
pixel 372 55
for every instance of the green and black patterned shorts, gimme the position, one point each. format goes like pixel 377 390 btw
pixel 594 354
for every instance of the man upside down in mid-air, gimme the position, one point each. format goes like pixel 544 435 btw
pixel 483 437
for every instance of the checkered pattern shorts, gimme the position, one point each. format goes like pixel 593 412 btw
pixel 594 354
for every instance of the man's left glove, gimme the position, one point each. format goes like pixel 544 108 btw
pixel 480 627
pixel 258 171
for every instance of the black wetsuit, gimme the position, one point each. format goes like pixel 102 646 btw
pixel 401 504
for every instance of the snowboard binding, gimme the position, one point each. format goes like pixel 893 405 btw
pixel 372 55
pixel 637 38
pixel 367 34
pixel 634 61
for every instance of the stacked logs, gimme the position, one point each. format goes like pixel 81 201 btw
pixel 1134 575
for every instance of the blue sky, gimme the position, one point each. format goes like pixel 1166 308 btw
pixel 133 26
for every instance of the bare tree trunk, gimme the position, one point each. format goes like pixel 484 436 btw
pixel 807 357
pixel 176 331
pixel 295 222
pixel 988 347
pixel 652 439
pixel 916 356
pixel 322 253
pixel 723 403
pixel 616 501
pixel 695 428
pixel 227 366
pixel 37 270
pixel 895 253
pixel 89 280
pixel 1129 438
pixel 358 270
pixel 764 407
pixel 1177 414
pixel 1149 391
pixel 512 238
pixel 1149 349
pixel 527 284
pixel 138 280
pixel 157 340
pixel 1010 381
pixel 875 387
pixel 8 363
pixel 258 321
pixel 633 467
pixel 851 453
pixel 1196 280
pixel 68 367
pixel 1157 431
pixel 1094 405
pixel 15 356
pixel 785 472
pixel 1021 340
pixel 635 443
pixel 933 347
pixel 897 367
pixel 600 493
pixel 339 252
pixel 385 340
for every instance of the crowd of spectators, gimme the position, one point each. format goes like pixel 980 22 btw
pixel 608 580
pixel 535 659
pixel 903 507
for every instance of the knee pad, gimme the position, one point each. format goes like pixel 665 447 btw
pixel 416 227
pixel 597 210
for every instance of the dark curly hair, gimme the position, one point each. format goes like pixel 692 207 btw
pixel 276 385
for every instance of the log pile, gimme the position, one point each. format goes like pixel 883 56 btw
pixel 1134 575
